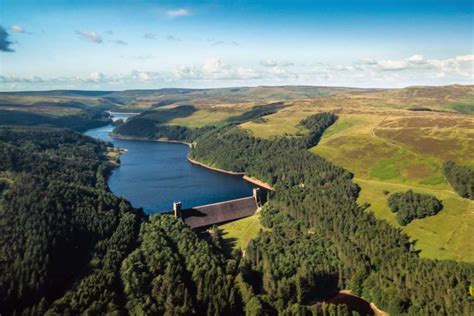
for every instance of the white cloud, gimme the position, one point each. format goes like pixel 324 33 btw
pixel 178 13
pixel 18 29
pixel 274 63
pixel 96 76
pixel 416 58
pixel 92 37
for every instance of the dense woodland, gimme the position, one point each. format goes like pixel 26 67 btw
pixel 461 179
pixel 87 119
pixel 410 205
pixel 69 246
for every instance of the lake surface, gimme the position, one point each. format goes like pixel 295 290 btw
pixel 153 174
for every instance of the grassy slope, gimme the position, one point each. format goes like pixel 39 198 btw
pixel 390 148
pixel 204 117
pixel 409 155
pixel 237 235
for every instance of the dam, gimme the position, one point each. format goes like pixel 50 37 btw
pixel 205 216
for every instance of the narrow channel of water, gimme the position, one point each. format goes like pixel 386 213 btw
pixel 154 174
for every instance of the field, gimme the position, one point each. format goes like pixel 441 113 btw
pixel 204 117
pixel 237 235
pixel 448 235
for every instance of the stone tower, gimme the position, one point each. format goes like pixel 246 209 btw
pixel 256 195
pixel 177 209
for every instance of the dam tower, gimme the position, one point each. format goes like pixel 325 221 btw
pixel 177 209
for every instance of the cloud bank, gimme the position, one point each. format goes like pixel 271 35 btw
pixel 412 70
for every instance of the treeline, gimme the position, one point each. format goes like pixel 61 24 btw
pixel 289 266
pixel 148 129
pixel 461 179
pixel 63 233
pixel 86 119
pixel 377 260
pixel 173 272
pixel 410 205
pixel 256 112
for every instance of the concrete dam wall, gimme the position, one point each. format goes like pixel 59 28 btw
pixel 205 216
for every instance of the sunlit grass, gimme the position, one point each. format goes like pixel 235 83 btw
pixel 237 234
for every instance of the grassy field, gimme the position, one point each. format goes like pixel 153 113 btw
pixel 285 121
pixel 397 151
pixel 401 147
pixel 203 117
pixel 448 235
pixel 389 146
pixel 237 235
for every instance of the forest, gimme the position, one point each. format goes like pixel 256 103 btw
pixel 89 118
pixel 69 246
pixel 410 205
pixel 461 178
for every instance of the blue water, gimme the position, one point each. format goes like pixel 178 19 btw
pixel 152 175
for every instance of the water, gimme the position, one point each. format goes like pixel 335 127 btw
pixel 152 175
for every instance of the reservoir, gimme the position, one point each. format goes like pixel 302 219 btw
pixel 154 174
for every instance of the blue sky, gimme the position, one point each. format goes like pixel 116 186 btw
pixel 60 44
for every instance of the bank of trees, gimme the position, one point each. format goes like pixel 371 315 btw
pixel 86 119
pixel 63 233
pixel 461 178
pixel 289 265
pixel 410 205
pixel 147 128
pixel 173 272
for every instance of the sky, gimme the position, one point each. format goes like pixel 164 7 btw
pixel 144 44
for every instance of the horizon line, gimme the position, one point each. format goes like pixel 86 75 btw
pixel 248 86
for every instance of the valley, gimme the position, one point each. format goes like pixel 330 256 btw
pixel 332 155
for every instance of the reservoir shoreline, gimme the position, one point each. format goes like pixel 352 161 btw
pixel 155 173
pixel 252 180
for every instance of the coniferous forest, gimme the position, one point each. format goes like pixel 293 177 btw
pixel 461 179
pixel 69 246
